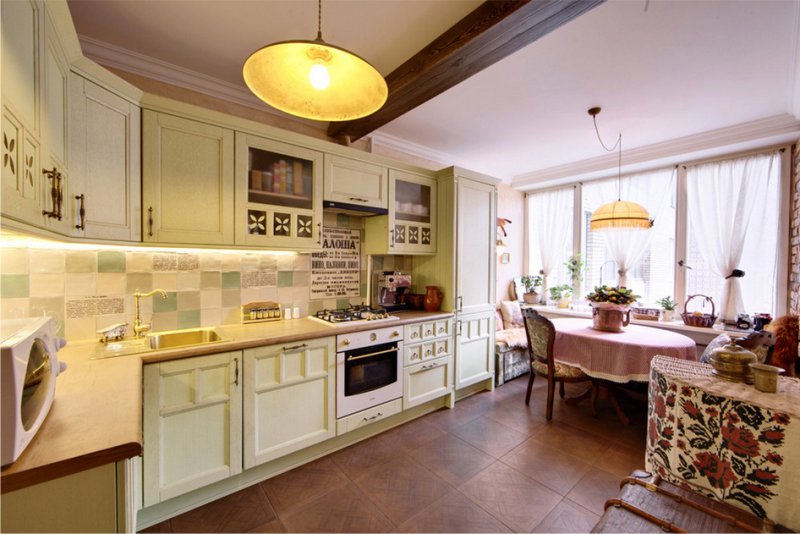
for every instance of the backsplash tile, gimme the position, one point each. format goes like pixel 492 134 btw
pixel 110 261
pixel 14 285
pixel 168 304
pixel 81 261
pixel 231 280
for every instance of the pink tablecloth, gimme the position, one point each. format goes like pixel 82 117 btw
pixel 617 356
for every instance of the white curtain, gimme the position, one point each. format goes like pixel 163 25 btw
pixel 550 225
pixel 723 197
pixel 652 190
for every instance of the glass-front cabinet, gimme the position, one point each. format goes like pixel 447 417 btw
pixel 278 194
pixel 410 226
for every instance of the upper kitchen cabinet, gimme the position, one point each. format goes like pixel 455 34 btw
pixel 104 154
pixel 187 181
pixel 410 226
pixel 278 194
pixel 37 46
pixel 349 182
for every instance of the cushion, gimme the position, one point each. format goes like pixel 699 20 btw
pixel 511 338
pixel 784 355
pixel 498 320
pixel 512 314
pixel 562 370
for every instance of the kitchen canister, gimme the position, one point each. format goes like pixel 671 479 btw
pixel 766 377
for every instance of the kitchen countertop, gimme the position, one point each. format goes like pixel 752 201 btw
pixel 96 417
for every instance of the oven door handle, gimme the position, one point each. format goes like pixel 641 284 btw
pixel 371 354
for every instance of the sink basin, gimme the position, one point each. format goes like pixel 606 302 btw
pixel 183 338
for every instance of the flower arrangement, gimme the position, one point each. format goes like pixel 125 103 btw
pixel 620 296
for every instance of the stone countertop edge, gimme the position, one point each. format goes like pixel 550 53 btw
pixel 96 416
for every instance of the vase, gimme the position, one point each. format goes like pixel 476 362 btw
pixel 531 298
pixel 433 299
pixel 668 315
pixel 610 317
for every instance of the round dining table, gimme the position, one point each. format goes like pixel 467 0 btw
pixel 617 356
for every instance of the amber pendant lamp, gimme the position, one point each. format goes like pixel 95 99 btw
pixel 315 80
pixel 620 214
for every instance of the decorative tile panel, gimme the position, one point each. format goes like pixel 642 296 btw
pixel 281 224
pixel 305 224
pixel 257 222
pixel 426 236
pixel 413 235
pixel 399 233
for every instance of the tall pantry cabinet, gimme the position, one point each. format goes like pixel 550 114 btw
pixel 464 268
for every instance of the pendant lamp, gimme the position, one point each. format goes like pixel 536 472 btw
pixel 621 214
pixel 315 80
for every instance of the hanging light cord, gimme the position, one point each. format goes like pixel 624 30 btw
pixel 319 24
pixel 593 112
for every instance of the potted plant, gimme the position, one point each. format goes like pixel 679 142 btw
pixel 575 267
pixel 531 283
pixel 669 308
pixel 611 307
pixel 560 295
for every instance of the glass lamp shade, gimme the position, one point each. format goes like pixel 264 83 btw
pixel 281 75
pixel 620 214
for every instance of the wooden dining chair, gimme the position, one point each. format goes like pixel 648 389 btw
pixel 541 337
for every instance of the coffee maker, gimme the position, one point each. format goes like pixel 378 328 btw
pixel 391 286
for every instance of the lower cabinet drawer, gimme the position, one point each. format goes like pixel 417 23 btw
pixel 427 381
pixel 365 417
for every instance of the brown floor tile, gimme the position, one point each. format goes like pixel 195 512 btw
pixel 594 489
pixel 402 487
pixel 357 459
pixel 298 486
pixel 449 419
pixel 514 414
pixel 413 435
pixel 271 526
pixel 346 510
pixel 453 513
pixel 452 459
pixel 585 445
pixel 547 464
pixel 518 501
pixel 238 512
pixel 621 460
pixel 568 517
pixel 490 436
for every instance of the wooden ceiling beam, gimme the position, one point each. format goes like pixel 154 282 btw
pixel 493 31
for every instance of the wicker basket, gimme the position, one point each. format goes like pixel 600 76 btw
pixel 704 320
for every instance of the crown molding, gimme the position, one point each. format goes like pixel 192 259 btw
pixel 162 71
pixel 775 129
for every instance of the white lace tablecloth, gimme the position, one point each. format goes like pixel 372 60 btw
pixel 726 440
pixel 617 356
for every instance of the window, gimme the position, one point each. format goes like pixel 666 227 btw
pixel 716 216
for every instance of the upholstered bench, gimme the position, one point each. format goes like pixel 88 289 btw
pixel 512 357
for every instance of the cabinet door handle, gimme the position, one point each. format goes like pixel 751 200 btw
pixel 459 328
pixel 356 199
pixel 150 221
pixel 430 366
pixel 294 347
pixel 460 303
pixel 236 371
pixel 319 233
pixel 81 213
pixel 391 237
pixel 379 414
pixel 56 193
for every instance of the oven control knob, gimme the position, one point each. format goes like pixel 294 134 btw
pixel 373 336
pixel 395 334
pixel 345 342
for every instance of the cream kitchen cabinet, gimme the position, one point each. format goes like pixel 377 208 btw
pixel 104 154
pixel 187 181
pixel 278 194
pixel 35 108
pixel 289 398
pixel 350 182
pixel 192 424
pixel 410 226
pixel 474 349
pixel 427 381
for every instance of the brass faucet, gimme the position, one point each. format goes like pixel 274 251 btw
pixel 139 329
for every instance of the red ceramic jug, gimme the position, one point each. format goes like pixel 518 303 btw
pixel 433 299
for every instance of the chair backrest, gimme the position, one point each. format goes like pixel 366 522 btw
pixel 541 336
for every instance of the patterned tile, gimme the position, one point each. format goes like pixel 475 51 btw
pixel 568 517
pixel 357 459
pixel 158 528
pixel 512 497
pixel 452 459
pixel 490 436
pixel 346 510
pixel 548 464
pixel 412 435
pixel 401 487
pixel 449 419
pixel 585 445
pixel 594 489
pixel 238 512
pixel 296 488
pixel 453 513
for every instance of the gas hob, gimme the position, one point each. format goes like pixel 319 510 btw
pixel 353 315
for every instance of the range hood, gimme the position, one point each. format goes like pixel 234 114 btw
pixel 357 210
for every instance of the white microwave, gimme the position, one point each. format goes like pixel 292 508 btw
pixel 28 366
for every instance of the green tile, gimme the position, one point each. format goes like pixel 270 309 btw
pixel 232 280
pixel 342 220
pixel 189 319
pixel 14 286
pixel 285 278
pixel 377 263
pixel 342 303
pixel 110 261
pixel 165 305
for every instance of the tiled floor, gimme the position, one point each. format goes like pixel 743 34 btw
pixel 491 464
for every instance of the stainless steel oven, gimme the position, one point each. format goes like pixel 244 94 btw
pixel 369 369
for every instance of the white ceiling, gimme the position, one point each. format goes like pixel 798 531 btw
pixel 661 70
